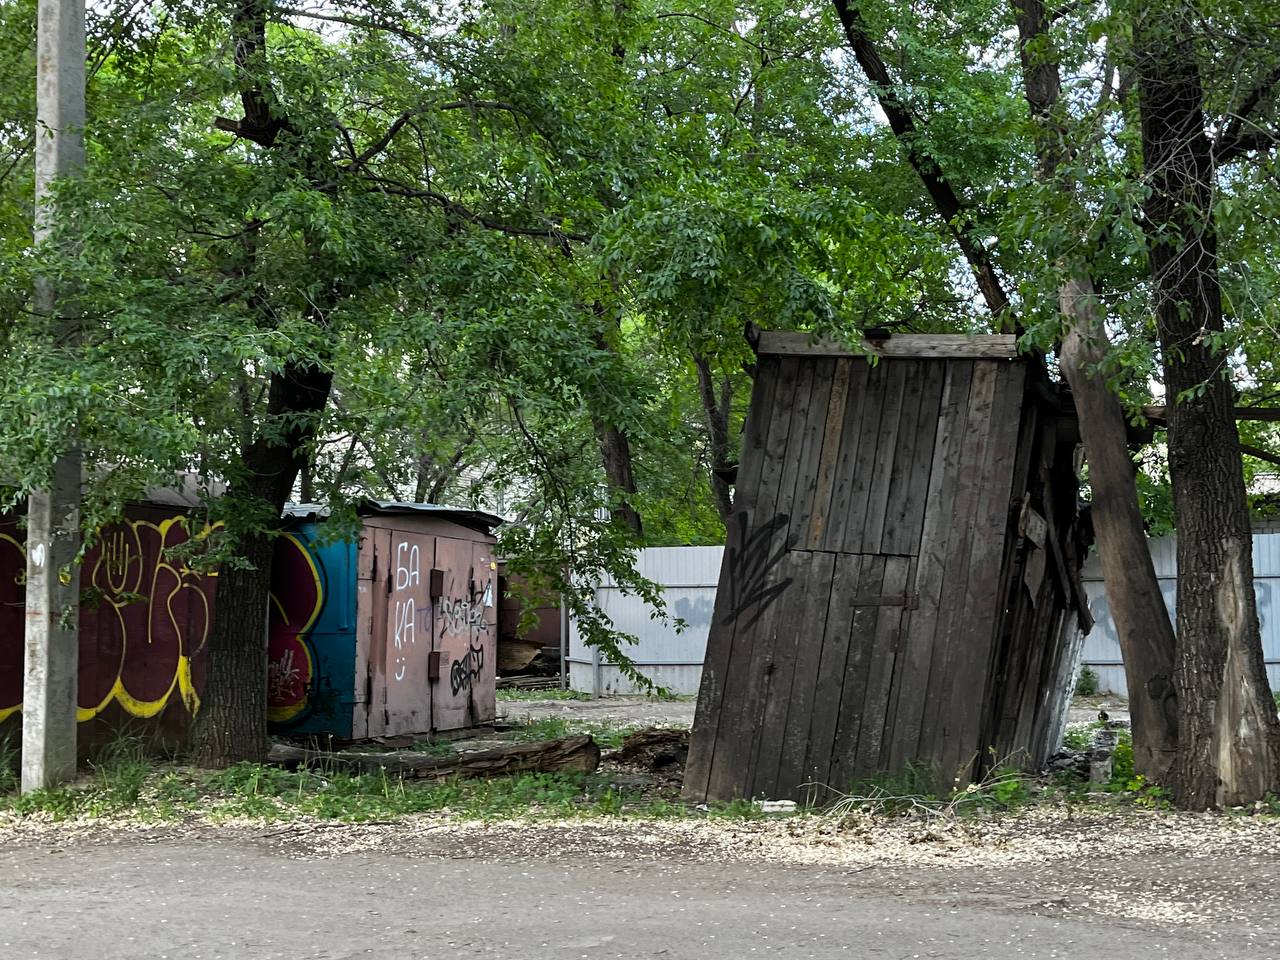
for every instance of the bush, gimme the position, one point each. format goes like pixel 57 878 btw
pixel 1087 685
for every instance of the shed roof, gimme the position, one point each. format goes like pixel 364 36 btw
pixel 473 519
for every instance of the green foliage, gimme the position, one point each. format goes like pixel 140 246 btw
pixel 1087 682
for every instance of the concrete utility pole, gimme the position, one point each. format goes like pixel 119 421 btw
pixel 53 515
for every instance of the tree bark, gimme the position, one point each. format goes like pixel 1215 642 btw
pixel 1147 641
pixel 232 722
pixel 1229 736
pixel 615 453
pixel 716 410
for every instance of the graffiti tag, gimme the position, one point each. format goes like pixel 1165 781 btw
pixel 751 561
pixel 460 615
pixel 282 676
pixel 463 672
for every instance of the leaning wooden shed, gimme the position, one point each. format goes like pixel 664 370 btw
pixel 900 583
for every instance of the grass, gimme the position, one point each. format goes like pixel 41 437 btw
pixel 553 694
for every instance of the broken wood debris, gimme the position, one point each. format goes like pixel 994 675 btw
pixel 579 754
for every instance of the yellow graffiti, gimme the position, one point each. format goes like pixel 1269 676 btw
pixel 118 572
pixel 282 714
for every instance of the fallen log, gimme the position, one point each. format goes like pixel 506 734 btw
pixel 578 754
pixel 657 749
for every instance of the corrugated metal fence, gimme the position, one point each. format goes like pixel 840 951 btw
pixel 673 660
pixel 1102 648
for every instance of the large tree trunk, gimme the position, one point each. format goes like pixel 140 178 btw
pixel 1229 737
pixel 1142 622
pixel 232 723
pixel 1147 641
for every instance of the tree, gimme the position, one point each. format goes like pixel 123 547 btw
pixel 1228 732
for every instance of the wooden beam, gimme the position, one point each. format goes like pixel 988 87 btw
pixel 925 346
pixel 1268 414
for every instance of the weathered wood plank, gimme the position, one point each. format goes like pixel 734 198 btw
pixel 904 514
pixel 885 639
pixel 771 387
pixel 894 707
pixel 942 346
pixel 850 439
pixel 807 464
pixel 797 630
pixel 938 524
pixel 837 408
pixel 902 378
pixel 819 653
pixel 810 736
pixel 850 705
pixel 966 644
pixel 863 463
pixel 754 585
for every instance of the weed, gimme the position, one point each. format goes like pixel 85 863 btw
pixel 120 770
pixel 553 694
pixel 8 766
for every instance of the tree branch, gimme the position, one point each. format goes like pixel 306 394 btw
pixel 945 197
pixel 1234 141
pixel 551 232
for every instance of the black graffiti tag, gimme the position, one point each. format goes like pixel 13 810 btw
pixel 462 672
pixel 751 561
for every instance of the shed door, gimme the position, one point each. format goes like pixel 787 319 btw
pixel 464 634
pixel 408 633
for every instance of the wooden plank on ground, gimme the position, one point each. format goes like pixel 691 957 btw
pixel 904 514
pixel 938 523
pixel 943 346
pixel 824 487
pixel 850 706
pixel 770 386
pixel 901 396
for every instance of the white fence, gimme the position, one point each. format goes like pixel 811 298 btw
pixel 688 576
pixel 1102 647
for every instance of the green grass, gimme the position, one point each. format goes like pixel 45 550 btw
pixel 515 694
pixel 609 736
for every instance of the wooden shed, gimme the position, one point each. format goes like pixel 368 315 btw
pixel 900 582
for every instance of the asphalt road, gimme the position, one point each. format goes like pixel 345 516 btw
pixel 238 896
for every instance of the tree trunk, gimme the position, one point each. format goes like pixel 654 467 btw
pixel 716 410
pixel 232 723
pixel 1146 635
pixel 1147 641
pixel 615 453
pixel 1229 737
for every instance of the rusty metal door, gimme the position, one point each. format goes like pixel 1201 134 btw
pixel 465 634
pixel 407 632
pixel 485 632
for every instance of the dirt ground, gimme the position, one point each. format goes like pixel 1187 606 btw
pixel 613 711
pixel 1047 884
pixel 643 711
